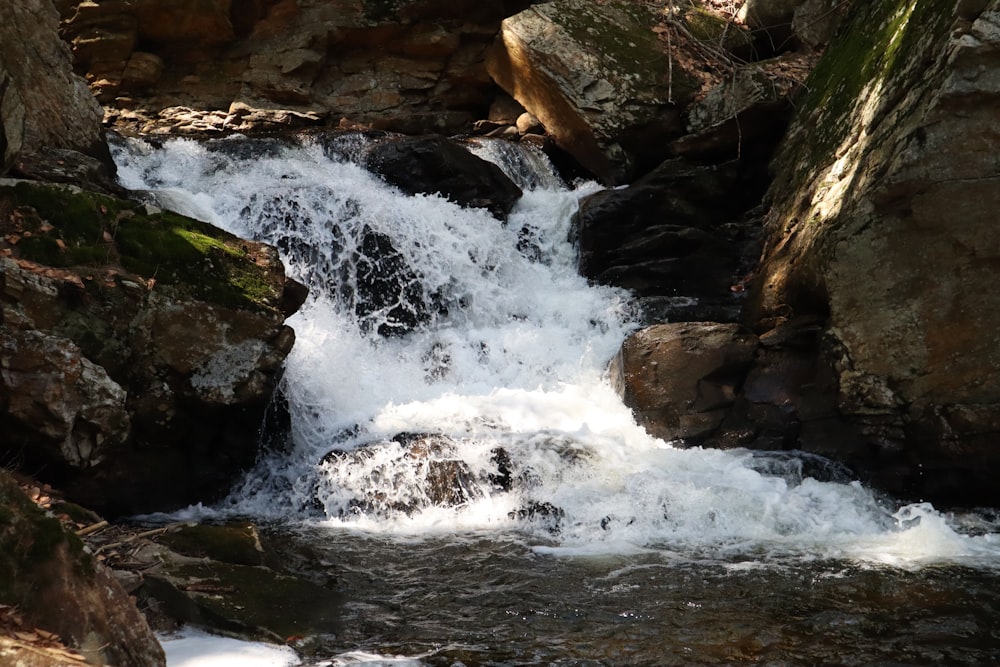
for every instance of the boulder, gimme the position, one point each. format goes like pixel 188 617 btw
pixel 436 165
pixel 680 380
pixel 43 105
pixel 883 225
pixel 140 347
pixel 673 233
pixel 59 589
pixel 598 78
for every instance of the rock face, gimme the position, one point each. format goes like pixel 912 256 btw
pixel 139 347
pixel 61 589
pixel 43 105
pixel 884 226
pixel 672 238
pixel 411 65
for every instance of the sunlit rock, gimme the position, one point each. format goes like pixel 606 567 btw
pixel 883 223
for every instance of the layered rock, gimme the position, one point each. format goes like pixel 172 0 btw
pixel 43 106
pixel 883 225
pixel 410 66
pixel 673 238
pixel 59 588
pixel 140 347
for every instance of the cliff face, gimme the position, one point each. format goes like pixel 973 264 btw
pixel 884 225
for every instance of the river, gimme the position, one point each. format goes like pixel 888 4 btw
pixel 572 537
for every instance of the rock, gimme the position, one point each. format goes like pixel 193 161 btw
pixel 771 20
pixel 59 588
pixel 816 21
pixel 598 79
pixel 141 347
pixel 417 65
pixel 225 579
pixel 43 105
pixel 671 233
pixel 433 164
pixel 681 379
pixel 883 225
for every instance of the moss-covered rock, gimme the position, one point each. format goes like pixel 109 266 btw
pixel 58 587
pixel 150 340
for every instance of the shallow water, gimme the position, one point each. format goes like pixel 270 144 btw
pixel 606 545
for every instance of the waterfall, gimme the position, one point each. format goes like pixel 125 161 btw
pixel 466 390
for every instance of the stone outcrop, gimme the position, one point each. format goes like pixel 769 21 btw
pixel 59 588
pixel 883 225
pixel 406 66
pixel 139 347
pixel 622 86
pixel 43 106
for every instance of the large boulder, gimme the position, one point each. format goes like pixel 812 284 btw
pixel 43 105
pixel 598 78
pixel 680 380
pixel 139 347
pixel 59 588
pixel 436 165
pixel 883 225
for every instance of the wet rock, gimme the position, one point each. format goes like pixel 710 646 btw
pixel 224 580
pixel 59 588
pixel 680 380
pixel 433 164
pixel 672 233
pixel 140 347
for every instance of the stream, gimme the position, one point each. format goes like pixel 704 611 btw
pixel 566 535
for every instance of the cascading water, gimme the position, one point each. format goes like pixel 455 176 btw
pixel 447 389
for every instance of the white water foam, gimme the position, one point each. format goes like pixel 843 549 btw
pixel 194 648
pixel 513 360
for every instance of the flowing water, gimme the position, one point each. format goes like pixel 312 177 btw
pixel 459 466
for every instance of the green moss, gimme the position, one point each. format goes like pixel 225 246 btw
pixel 64 227
pixel 709 27
pixel 877 45
pixel 628 46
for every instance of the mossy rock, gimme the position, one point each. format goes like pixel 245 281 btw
pixel 237 544
pixel 89 233
pixel 241 600
pixel 29 541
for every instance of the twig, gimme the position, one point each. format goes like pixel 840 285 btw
pixel 93 528
pixel 137 536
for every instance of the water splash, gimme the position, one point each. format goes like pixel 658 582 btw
pixel 482 334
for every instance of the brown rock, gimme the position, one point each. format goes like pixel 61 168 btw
pixel 681 379
pixel 60 589
pixel 884 221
